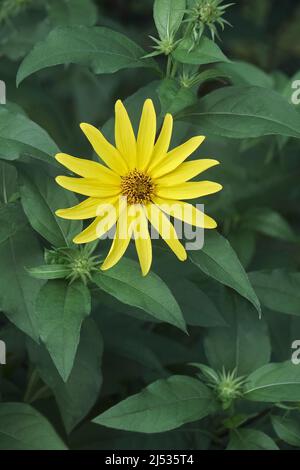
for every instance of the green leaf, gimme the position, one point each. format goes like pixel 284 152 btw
pixel 77 396
pixel 268 222
pixel 274 383
pixel 287 429
pixel 18 248
pixel 250 439
pixel 242 112
pixel 206 52
pixel 217 259
pixel 76 12
pixel 168 15
pixel 243 73
pixel 174 98
pixel 24 428
pixel 164 405
pixel 19 136
pixel 61 309
pixel 279 290
pixel 125 282
pixel 49 271
pixel 198 309
pixel 229 346
pixel 41 196
pixel 101 49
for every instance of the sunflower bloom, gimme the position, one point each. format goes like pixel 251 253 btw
pixel 141 181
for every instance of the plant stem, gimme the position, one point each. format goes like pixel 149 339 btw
pixel 32 382
pixel 169 66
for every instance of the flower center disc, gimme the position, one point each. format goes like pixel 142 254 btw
pixel 137 187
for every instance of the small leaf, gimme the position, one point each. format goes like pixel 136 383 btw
pixel 174 98
pixel 250 439
pixel 217 259
pixel 101 49
pixel 168 15
pixel 61 309
pixel 287 429
pixel 51 271
pixel 24 428
pixel 150 293
pixel 206 52
pixel 274 383
pixel 164 405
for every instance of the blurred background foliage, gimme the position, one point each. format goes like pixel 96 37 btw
pixel 258 209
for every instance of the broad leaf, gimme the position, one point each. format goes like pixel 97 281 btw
pixel 287 429
pixel 61 309
pixel 102 49
pixel 279 290
pixel 244 73
pixel 274 383
pixel 24 428
pixel 18 248
pixel 206 52
pixel 19 136
pixel 41 196
pixel 229 346
pixel 242 112
pixel 217 259
pixel 250 439
pixel 75 397
pixel 49 271
pixel 168 15
pixel 150 293
pixel 164 405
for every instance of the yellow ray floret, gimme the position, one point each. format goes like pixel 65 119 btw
pixel 140 182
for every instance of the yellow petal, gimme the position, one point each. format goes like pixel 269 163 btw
pixel 102 224
pixel 163 142
pixel 146 135
pixel 185 172
pixel 85 210
pixel 176 156
pixel 143 242
pixel 107 152
pixel 166 230
pixel 185 212
pixel 120 242
pixel 124 135
pixel 188 190
pixel 88 168
pixel 88 187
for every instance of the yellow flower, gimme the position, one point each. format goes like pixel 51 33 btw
pixel 141 181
